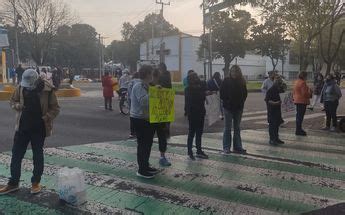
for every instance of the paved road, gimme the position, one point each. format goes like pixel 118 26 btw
pixel 305 174
pixel 83 120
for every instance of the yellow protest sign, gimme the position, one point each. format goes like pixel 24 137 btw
pixel 161 104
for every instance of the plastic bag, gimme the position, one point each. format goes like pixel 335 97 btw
pixel 71 185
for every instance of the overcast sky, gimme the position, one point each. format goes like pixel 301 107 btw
pixel 107 16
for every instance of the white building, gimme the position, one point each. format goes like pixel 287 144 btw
pixel 181 56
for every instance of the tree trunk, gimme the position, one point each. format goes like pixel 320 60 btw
pixel 329 68
pixel 226 70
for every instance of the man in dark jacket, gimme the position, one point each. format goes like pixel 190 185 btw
pixel 19 71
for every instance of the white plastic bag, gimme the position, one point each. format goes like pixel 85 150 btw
pixel 71 185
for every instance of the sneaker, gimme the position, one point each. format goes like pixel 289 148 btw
pixel 273 143
pixel 191 157
pixel 201 155
pixel 163 161
pixel 325 128
pixel 131 136
pixel 8 189
pixel 146 175
pixel 152 170
pixel 311 108
pixel 301 133
pixel 240 151
pixel 279 141
pixel 36 188
pixel 332 129
pixel 226 151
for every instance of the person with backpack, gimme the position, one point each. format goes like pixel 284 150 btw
pixel 330 96
pixel 36 105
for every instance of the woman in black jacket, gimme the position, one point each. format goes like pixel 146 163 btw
pixel 233 93
pixel 195 97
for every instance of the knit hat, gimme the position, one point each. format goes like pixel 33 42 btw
pixel 29 79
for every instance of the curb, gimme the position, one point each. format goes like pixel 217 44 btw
pixel 9 88
pixel 74 92
pixel 249 91
pixel 5 95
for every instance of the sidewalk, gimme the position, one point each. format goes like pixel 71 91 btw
pixel 303 175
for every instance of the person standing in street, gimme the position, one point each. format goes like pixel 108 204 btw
pixel 318 85
pixel 233 93
pixel 160 128
pixel 108 93
pixel 19 71
pixel 301 96
pixel 135 79
pixel 330 96
pixel 36 105
pixel 185 85
pixel 213 85
pixel 268 83
pixel 274 102
pixel 195 96
pixel 139 112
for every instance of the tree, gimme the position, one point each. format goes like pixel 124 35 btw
pixel 40 20
pixel 270 39
pixel 229 35
pixel 75 46
pixel 154 25
pixel 331 37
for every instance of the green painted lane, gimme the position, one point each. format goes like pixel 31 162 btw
pixel 11 205
pixel 213 191
pixel 106 196
pixel 252 162
pixel 225 174
pixel 257 141
pixel 284 152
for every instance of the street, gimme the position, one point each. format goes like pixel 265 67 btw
pixel 83 120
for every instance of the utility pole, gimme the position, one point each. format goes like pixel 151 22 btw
pixel 100 56
pixel 162 44
pixel 204 32
pixel 16 17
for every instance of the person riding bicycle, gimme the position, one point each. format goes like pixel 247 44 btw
pixel 123 82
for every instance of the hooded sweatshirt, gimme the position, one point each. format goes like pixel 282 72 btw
pixel 330 92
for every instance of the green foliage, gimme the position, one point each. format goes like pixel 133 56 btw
pixel 127 51
pixel 230 31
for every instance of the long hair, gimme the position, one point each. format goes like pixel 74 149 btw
pixel 239 76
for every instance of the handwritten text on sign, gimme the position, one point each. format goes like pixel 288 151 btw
pixel 161 103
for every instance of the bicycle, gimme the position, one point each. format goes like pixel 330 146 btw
pixel 124 105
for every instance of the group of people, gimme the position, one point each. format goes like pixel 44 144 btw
pixel 55 75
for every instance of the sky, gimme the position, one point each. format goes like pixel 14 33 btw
pixel 107 16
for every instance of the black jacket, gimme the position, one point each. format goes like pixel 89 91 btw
pixel 165 79
pixel 195 100
pixel 234 94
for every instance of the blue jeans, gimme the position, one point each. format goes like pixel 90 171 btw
pixel 232 118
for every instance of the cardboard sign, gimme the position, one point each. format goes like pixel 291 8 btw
pixel 287 103
pixel 161 104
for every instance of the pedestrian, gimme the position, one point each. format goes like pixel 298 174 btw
pixel 318 85
pixel 330 96
pixel 213 85
pixel 268 82
pixel 108 93
pixel 160 128
pixel 274 102
pixel 124 81
pixel 185 85
pixel 301 96
pixel 165 82
pixel 195 96
pixel 19 71
pixel 35 103
pixel 56 77
pixel 135 79
pixel 337 77
pixel 140 118
pixel 233 93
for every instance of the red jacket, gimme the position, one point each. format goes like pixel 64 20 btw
pixel 301 92
pixel 107 84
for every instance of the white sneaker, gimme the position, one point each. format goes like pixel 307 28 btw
pixel 333 129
